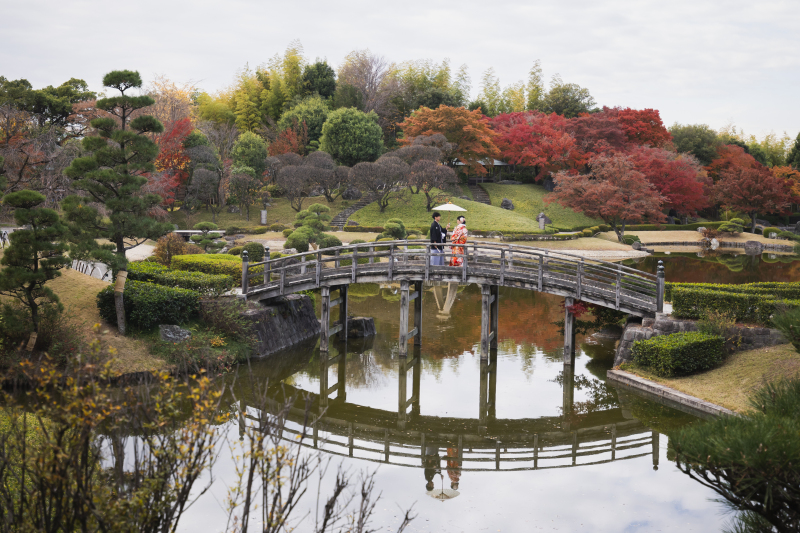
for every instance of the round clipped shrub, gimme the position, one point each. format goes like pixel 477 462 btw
pixel 236 250
pixel 327 240
pixel 587 233
pixel 679 354
pixel 275 191
pixel 630 239
pixel 768 231
pixel 149 304
pixel 255 251
pixel 232 230
pixel 277 227
pixel 287 232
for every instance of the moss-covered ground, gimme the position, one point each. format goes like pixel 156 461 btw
pixel 529 201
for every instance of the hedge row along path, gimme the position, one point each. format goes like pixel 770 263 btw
pixel 486 264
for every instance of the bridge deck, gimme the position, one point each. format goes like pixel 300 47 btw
pixel 606 284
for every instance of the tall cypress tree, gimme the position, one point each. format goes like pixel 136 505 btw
pixel 113 175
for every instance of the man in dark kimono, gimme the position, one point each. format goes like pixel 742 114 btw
pixel 438 236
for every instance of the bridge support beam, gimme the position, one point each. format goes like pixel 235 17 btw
pixel 490 304
pixel 488 393
pixel 569 332
pixel 326 331
pixel 405 299
pixel 403 401
pixel 568 391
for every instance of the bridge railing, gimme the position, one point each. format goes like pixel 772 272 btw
pixel 614 284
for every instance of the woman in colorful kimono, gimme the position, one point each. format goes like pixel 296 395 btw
pixel 459 239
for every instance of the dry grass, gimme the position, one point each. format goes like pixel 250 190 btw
pixel 688 236
pixel 77 292
pixel 731 384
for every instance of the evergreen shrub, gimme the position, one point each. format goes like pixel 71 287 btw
pixel 149 304
pixel 255 252
pixel 230 265
pixel 679 354
pixel 209 284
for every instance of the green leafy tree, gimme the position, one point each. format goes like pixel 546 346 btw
pixel 347 96
pixel 245 187
pixel 36 256
pixel 313 111
pixel 793 159
pixel 696 139
pixel 311 223
pixel 351 136
pixel 113 175
pixel 319 78
pixel 250 151
pixel 567 99
pixel 208 239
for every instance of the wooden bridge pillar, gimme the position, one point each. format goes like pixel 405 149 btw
pixel 488 393
pixel 325 319
pixel 405 299
pixel 490 304
pixel 326 331
pixel 568 392
pixel 569 333
pixel 655 449
pixel 403 401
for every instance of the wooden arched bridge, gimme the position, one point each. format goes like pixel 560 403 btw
pixel 489 265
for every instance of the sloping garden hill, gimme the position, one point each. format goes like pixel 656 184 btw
pixel 529 201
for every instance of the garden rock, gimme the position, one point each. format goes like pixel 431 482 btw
pixel 359 326
pixel 797 228
pixel 233 209
pixel 753 248
pixel 351 194
pixel 636 245
pixel 174 333
pixel 317 191
pixel 701 229
pixel 542 217
pixel 507 204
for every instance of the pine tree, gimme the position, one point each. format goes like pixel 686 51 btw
pixel 35 257
pixel 113 174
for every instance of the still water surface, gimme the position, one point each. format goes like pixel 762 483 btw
pixel 574 453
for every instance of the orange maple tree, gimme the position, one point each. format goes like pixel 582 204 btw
pixel 730 157
pixel 291 140
pixel 642 126
pixel 468 130
pixel 753 191
pixel 791 175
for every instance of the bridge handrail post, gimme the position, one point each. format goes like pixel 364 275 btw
pixel 464 265
pixel 502 266
pixel 319 267
pixel 660 282
pixel 355 262
pixel 267 265
pixel 337 263
pixel 391 261
pixel 372 254
pixel 245 271
pixel 303 264
pixel 427 261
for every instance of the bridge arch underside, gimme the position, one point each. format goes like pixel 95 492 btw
pixel 604 294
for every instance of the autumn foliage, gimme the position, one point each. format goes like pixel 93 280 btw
pixel 753 191
pixel 172 157
pixel 470 131
pixel 613 191
pixel 642 126
pixel 678 178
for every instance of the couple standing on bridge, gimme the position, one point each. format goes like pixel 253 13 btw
pixel 438 235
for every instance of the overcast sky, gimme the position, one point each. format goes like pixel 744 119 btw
pixel 697 61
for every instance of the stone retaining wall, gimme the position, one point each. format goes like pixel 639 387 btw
pixel 282 323
pixel 751 337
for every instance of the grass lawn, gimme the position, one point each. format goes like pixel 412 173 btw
pixel 412 212
pixel 529 202
pixel 77 292
pixel 280 213
pixel 731 384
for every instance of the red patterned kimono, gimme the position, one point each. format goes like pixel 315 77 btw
pixel 459 237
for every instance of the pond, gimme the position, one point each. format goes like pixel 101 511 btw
pixel 721 267
pixel 517 443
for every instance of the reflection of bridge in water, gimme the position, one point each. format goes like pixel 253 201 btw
pixel 486 264
pixel 406 438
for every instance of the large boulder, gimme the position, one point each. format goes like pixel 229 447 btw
pixel 174 333
pixel 351 194
pixel 753 248
pixel 507 204
pixel 542 217
pixel 797 228
pixel 360 326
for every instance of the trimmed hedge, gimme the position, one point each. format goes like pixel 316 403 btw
pixel 755 307
pixel 209 284
pixel 230 265
pixel 679 354
pixel 777 289
pixel 769 230
pixel 149 304
pixel 672 227
pixel 247 230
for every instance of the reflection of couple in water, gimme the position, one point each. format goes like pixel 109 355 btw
pixel 433 466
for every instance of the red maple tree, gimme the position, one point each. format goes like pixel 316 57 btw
pixel 642 126
pixel 598 133
pixel 291 140
pixel 537 140
pixel 613 191
pixel 172 157
pixel 730 157
pixel 678 178
pixel 753 191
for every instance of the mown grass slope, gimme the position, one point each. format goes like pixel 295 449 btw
pixel 414 215
pixel 529 202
